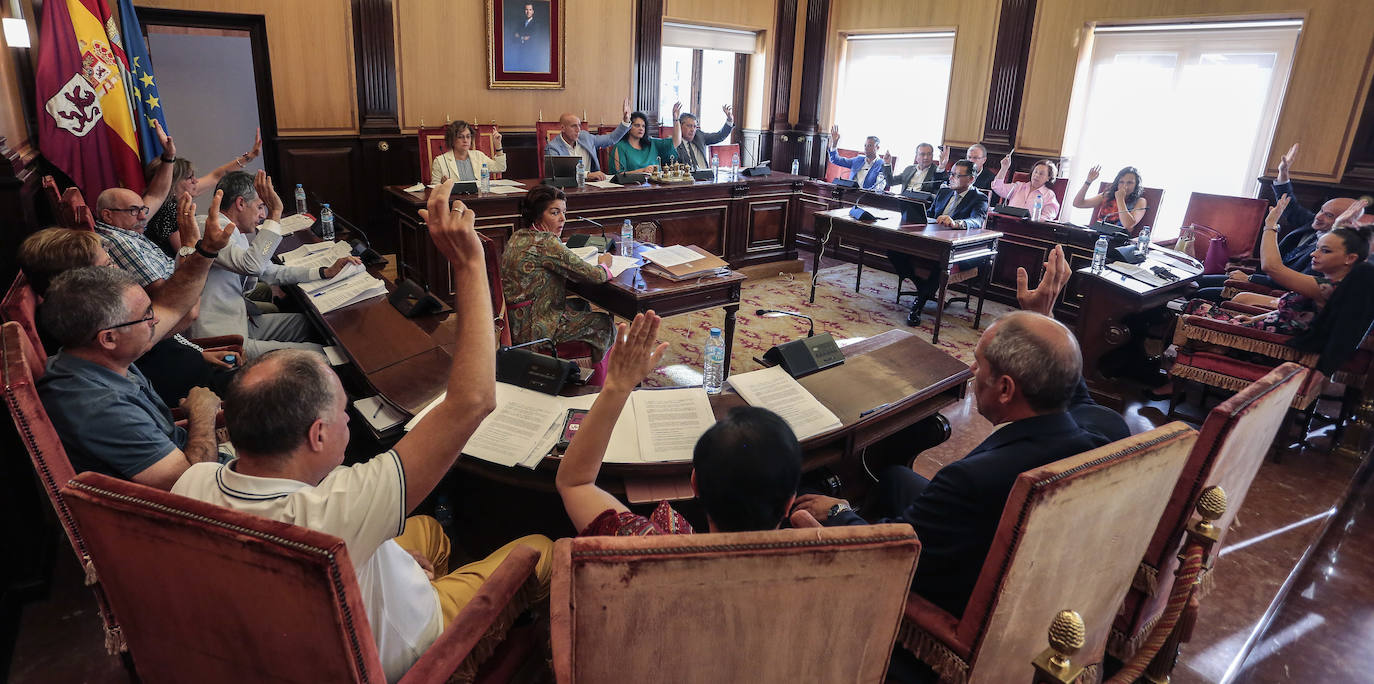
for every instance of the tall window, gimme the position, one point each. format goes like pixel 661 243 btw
pixel 1193 107
pixel 698 69
pixel 896 87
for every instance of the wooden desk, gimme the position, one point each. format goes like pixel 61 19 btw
pixel 935 245
pixel 745 221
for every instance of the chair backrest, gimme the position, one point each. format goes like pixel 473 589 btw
pixel 724 150
pixel 832 171
pixel 431 145
pixel 1237 218
pixel 1058 186
pixel 817 605
pixel 1230 448
pixel 76 211
pixel 277 602
pixel 1153 196
pixel 20 305
pixel 492 253
pixel 544 131
pixel 52 195
pixel 1071 534
pixel 482 139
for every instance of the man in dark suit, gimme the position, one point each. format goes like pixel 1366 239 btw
pixel 1028 382
pixel 924 175
pixel 982 175
pixel 957 207
pixel 692 150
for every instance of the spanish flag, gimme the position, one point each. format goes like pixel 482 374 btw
pixel 86 127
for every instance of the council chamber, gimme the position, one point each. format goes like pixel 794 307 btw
pixel 656 340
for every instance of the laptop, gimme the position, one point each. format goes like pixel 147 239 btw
pixel 559 166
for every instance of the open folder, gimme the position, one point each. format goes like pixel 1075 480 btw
pixel 680 262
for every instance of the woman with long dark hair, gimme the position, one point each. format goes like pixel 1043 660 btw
pixel 639 153
pixel 1121 203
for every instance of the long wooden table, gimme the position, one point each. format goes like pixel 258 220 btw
pixel 935 246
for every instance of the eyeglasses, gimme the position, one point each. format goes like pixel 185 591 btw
pixel 147 317
pixel 463 136
pixel 134 211
pixel 963 175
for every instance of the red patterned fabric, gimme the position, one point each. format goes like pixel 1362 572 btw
pixel 664 520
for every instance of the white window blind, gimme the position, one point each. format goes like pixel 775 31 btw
pixel 894 86
pixel 1193 107
pixel 709 38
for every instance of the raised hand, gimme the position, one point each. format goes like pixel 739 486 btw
pixel 451 227
pixel 252 154
pixel 216 236
pixel 187 229
pixel 889 159
pixel 677 110
pixel 1006 161
pixel 1093 173
pixel 169 149
pixel 627 111
pixel 1056 276
pixel 636 352
pixel 495 138
pixel 1347 217
pixel 262 183
pixel 1276 211
pixel 729 113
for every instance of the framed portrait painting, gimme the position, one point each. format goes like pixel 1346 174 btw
pixel 525 43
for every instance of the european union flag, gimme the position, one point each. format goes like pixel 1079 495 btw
pixel 147 108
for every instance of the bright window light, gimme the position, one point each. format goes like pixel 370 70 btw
pixel 873 97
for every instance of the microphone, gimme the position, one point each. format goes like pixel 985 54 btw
pixel 369 256
pixel 598 225
pixel 810 324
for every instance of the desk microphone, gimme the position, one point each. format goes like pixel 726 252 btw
pixel 369 256
pixel 598 225
pixel 810 324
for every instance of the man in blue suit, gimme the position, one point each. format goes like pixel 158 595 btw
pixel 870 172
pixel 575 142
pixel 958 207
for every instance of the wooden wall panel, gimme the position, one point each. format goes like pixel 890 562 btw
pixel 311 46
pixel 975 24
pixel 442 65
pixel 1326 91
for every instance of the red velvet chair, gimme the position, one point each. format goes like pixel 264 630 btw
pixel 431 140
pixel 52 196
pixel 832 171
pixel 20 305
pixel 782 606
pixel 49 459
pixel 1238 219
pixel 724 150
pixel 231 597
pixel 482 139
pixel 1058 186
pixel 75 211
pixel 1153 196
pixel 1229 451
pixel 1071 535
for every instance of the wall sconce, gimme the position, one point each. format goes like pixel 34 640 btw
pixel 16 29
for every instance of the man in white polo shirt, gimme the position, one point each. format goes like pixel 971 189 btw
pixel 286 414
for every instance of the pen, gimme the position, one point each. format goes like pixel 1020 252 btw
pixel 875 409
pixel 379 409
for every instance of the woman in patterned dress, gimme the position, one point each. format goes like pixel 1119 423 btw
pixel 535 269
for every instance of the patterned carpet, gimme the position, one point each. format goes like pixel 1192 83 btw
pixel 838 310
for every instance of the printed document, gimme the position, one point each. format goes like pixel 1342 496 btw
pixel 775 390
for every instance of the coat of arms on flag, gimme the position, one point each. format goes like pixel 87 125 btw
pixel 75 107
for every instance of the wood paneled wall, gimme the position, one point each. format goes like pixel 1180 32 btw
pixel 1326 91
pixel 975 26
pixel 311 49
pixel 750 15
pixel 12 126
pixel 441 63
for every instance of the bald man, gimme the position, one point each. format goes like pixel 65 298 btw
pixel 575 142
pixel 121 215
pixel 1028 382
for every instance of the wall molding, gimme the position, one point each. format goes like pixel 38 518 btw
pixel 1014 30
pixel 648 54
pixel 374 55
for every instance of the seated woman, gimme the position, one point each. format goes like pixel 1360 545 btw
pixel 535 269
pixel 1023 194
pixel 1337 252
pixel 162 225
pixel 463 162
pixel 1120 204
pixel 636 153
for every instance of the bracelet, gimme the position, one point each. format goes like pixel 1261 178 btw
pixel 498 150
pixel 1273 228
pixel 322 275
pixel 201 251
pixel 165 160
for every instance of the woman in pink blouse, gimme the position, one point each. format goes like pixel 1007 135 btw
pixel 1023 194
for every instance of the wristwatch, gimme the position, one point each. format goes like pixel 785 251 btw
pixel 838 509
pixel 185 251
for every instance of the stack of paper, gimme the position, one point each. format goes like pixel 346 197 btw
pixel 655 426
pixel 505 189
pixel 316 255
pixel 379 413
pixel 775 390
pixel 295 222
pixel 498 182
pixel 336 293
pixel 680 262
pixel 618 263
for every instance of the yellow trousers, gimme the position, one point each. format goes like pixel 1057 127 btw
pixel 424 536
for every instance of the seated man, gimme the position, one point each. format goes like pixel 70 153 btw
pixel 174 365
pixel 745 468
pixel 1027 382
pixel 982 175
pixel 122 215
pixel 692 150
pixel 870 172
pixel 287 414
pixel 959 207
pixel 248 201
pixel 575 142
pixel 924 175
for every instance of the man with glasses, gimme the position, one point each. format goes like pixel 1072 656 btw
pixel 121 216
pixel 106 412
pixel 957 207
pixel 982 176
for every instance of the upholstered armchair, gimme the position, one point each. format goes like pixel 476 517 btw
pixel 215 595
pixel 1235 219
pixel 431 140
pixel 782 606
pixel 1229 451
pixel 1153 197
pixel 544 131
pixel 1071 535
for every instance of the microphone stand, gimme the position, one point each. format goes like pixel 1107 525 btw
pixel 810 323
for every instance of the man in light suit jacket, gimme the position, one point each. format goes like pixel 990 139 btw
pixel 959 206
pixel 574 142
pixel 924 175
pixel 692 150
pixel 870 172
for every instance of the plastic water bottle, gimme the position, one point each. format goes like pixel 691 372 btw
pixel 581 173
pixel 486 179
pixel 713 376
pixel 1039 206
pixel 734 165
pixel 627 239
pixel 1143 240
pixel 326 222
pixel 715 166
pixel 1100 254
pixel 796 167
pixel 301 206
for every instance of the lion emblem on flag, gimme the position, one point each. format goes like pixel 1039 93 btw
pixel 76 106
